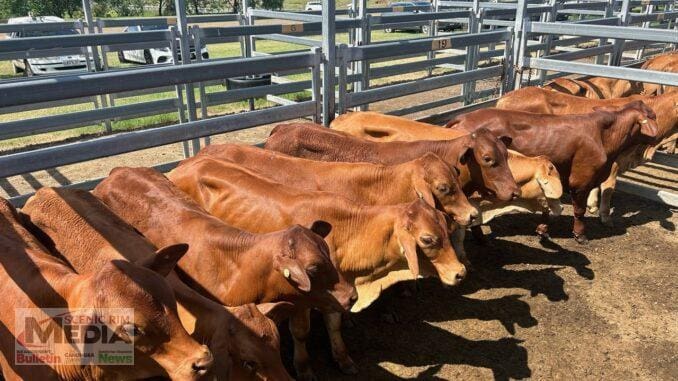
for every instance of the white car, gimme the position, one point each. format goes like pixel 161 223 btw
pixel 314 6
pixel 154 55
pixel 46 65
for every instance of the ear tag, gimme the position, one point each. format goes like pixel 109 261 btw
pixel 644 121
pixel 286 273
pixel 419 194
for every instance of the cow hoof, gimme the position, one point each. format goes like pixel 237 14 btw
pixel 306 375
pixel 593 210
pixel 543 237
pixel 607 222
pixel 348 367
pixel 581 239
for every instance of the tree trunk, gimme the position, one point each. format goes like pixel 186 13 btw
pixel 160 8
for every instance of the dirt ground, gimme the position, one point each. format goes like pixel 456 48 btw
pixel 607 310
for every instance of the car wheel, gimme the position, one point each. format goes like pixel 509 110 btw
pixel 121 57
pixel 425 29
pixel 148 57
pixel 388 30
pixel 28 72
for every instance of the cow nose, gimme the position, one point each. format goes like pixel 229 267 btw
pixel 461 274
pixel 204 363
pixel 516 194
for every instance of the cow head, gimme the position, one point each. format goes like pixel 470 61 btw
pixel 304 261
pixel 256 352
pixel 422 229
pixel 634 120
pixel 441 188
pixel 487 159
pixel 161 344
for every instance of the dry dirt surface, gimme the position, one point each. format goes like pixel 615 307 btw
pixel 554 311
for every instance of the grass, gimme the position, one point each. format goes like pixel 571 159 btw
pixel 216 51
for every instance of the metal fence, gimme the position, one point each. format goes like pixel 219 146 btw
pixel 505 41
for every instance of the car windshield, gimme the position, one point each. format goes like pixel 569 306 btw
pixel 153 27
pixel 45 33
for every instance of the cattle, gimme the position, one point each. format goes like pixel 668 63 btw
pixel 374 246
pixel 597 87
pixel 665 107
pixel 427 177
pixel 582 147
pixel 287 265
pixel 87 234
pixel 537 177
pixel 34 278
pixel 667 62
pixel 480 157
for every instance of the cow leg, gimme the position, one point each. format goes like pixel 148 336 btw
pixel 543 227
pixel 607 190
pixel 579 210
pixel 593 201
pixel 300 326
pixel 458 244
pixel 339 351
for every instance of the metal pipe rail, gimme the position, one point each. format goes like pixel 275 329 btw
pixel 195 19
pixel 603 31
pixel 391 49
pixel 43 27
pixel 70 86
pixel 660 77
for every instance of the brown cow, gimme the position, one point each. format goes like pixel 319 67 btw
pixel 596 87
pixel 427 177
pixel 33 278
pixel 87 234
pixel 372 245
pixel 538 179
pixel 665 107
pixel 583 147
pixel 480 157
pixel 291 265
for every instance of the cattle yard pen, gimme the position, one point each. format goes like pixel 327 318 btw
pixel 501 46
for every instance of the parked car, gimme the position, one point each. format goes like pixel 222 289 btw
pixel 421 4
pixel 46 65
pixel 154 55
pixel 314 6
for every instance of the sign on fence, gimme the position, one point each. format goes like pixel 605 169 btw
pixel 441 43
pixel 292 28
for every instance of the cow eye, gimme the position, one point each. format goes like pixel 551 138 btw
pixel 488 159
pixel 311 270
pixel 443 188
pixel 428 240
pixel 251 366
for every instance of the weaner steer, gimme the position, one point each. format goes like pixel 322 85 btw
pixel 31 277
pixel 87 234
pixel 373 245
pixel 480 157
pixel 427 177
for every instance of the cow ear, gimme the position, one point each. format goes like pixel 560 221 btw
pixel 321 228
pixel 408 248
pixel 165 259
pixel 507 140
pixel 277 312
pixel 424 193
pixel 295 274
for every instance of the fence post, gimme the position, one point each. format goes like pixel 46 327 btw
pixel 618 50
pixel 551 16
pixel 363 38
pixel 185 49
pixel 316 85
pixel 609 12
pixel 329 62
pixel 508 74
pixel 470 63
pixel 194 32
pixel 521 11
pixel 343 67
